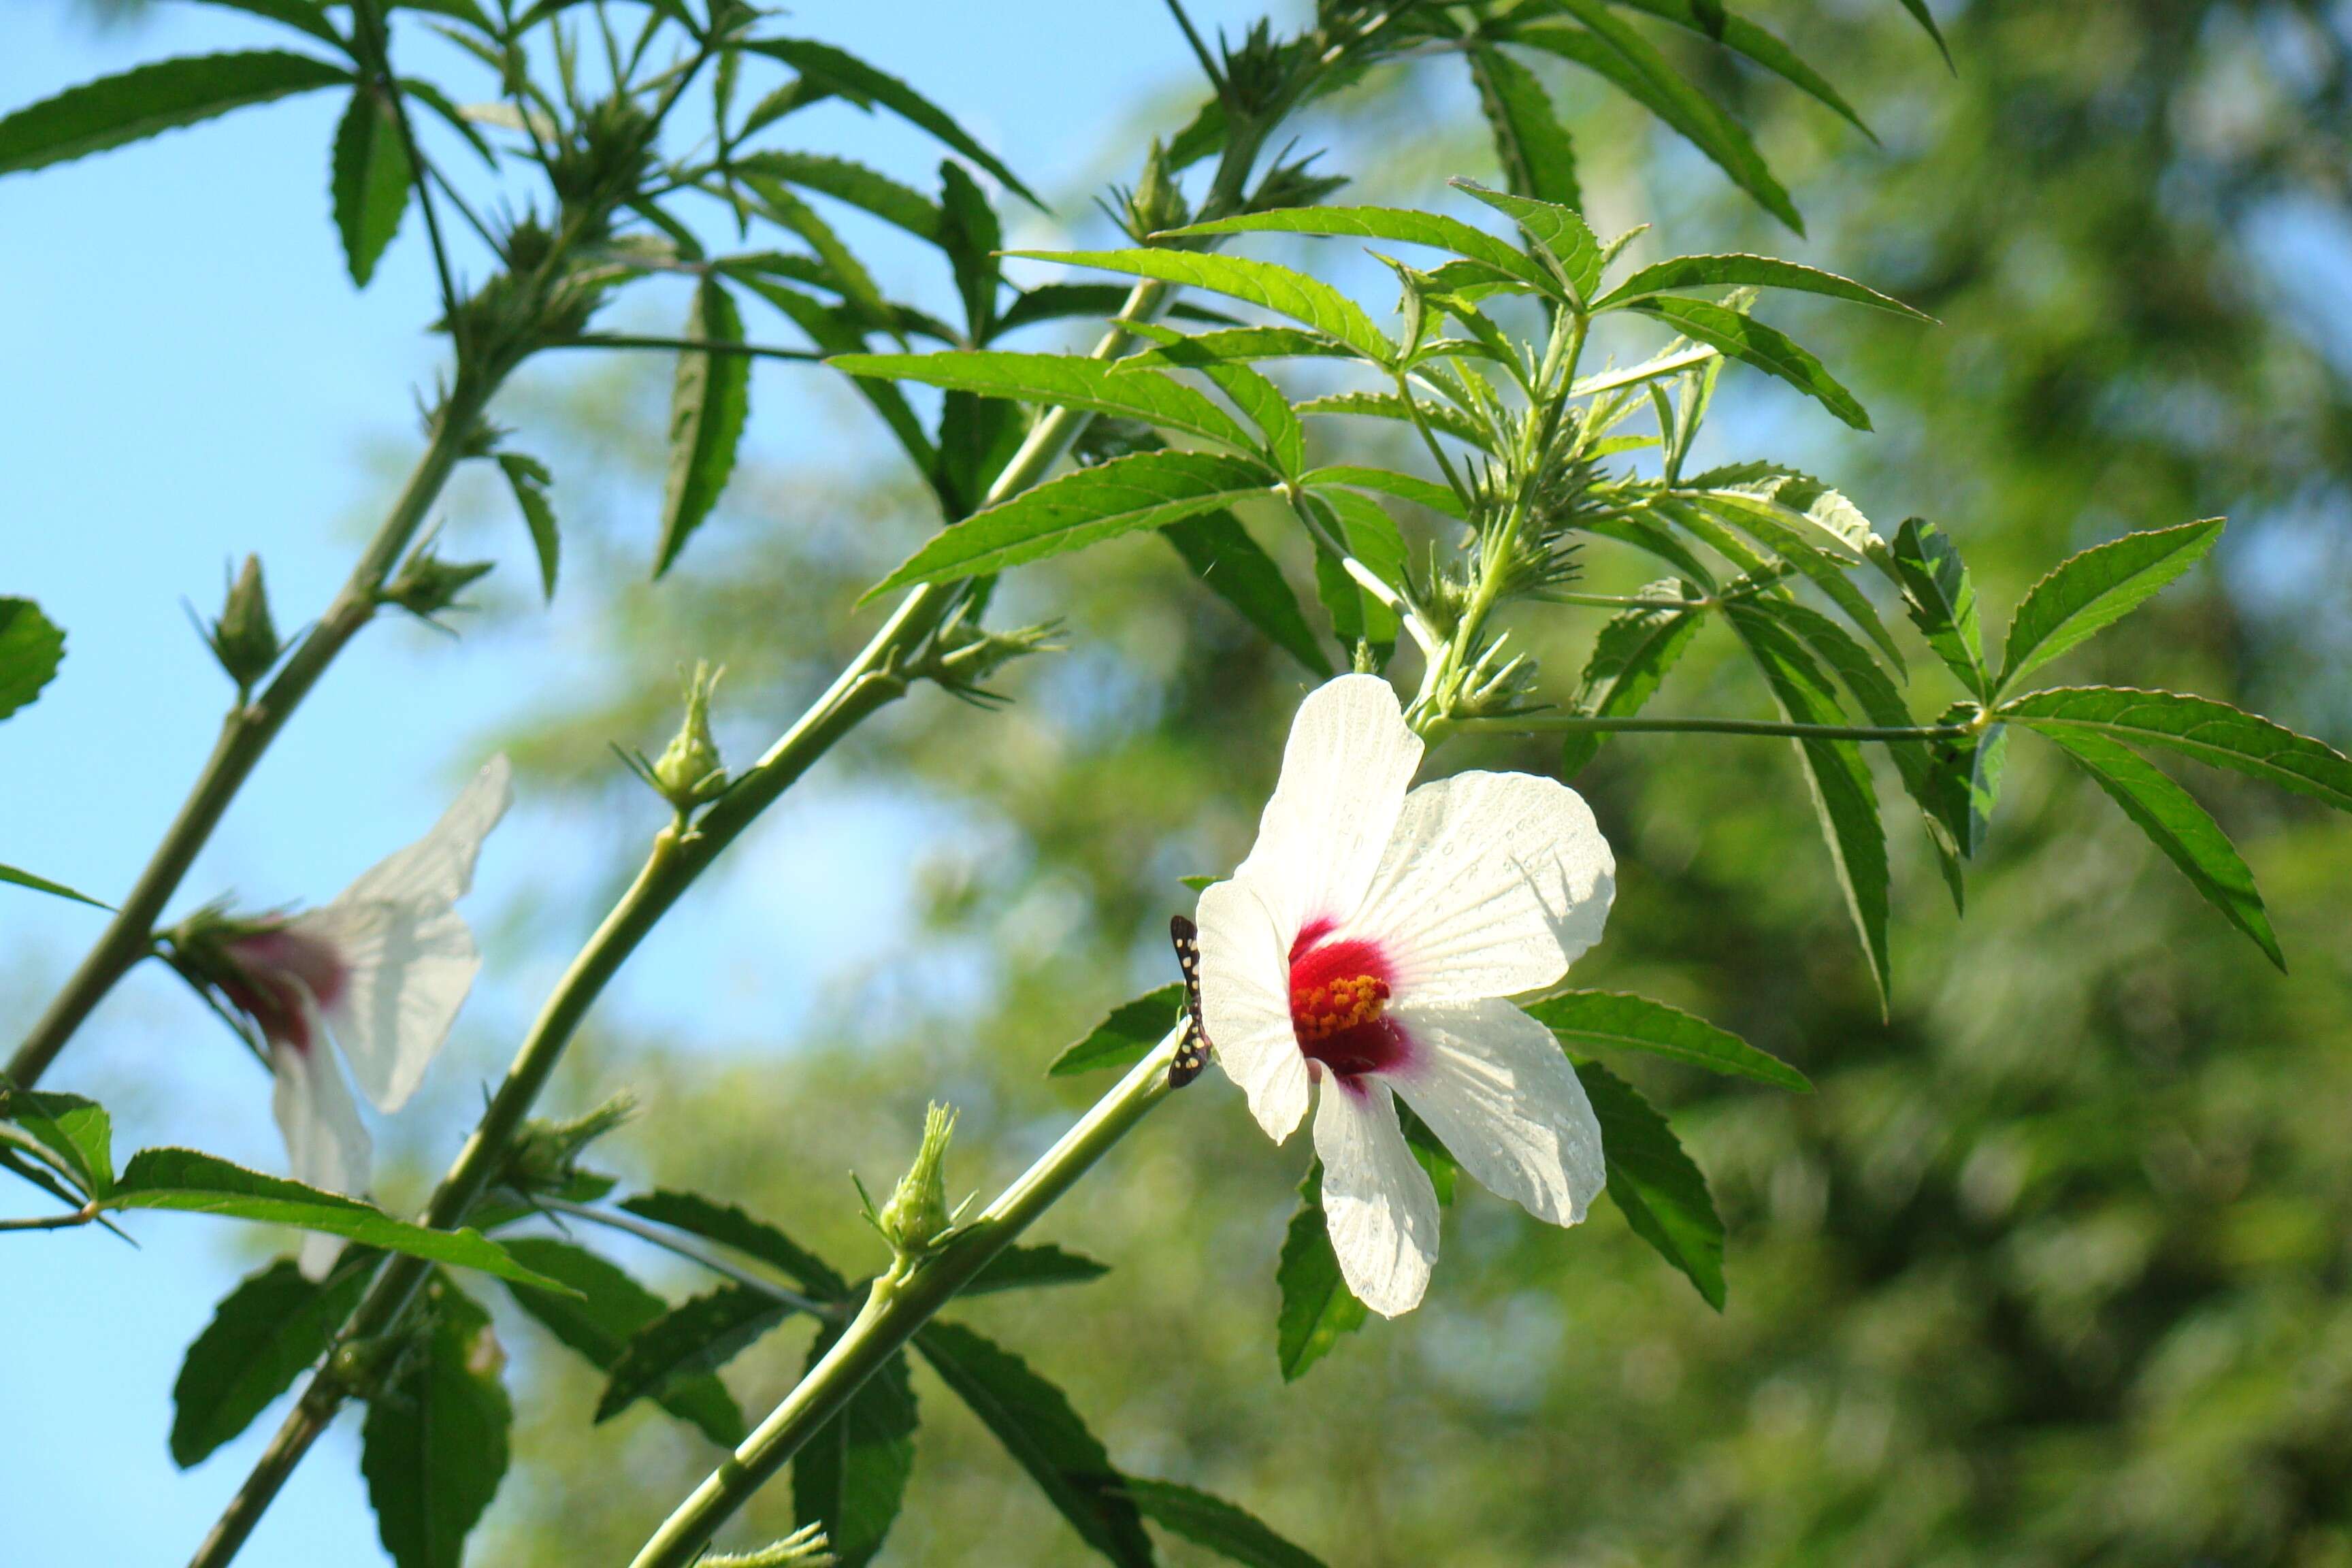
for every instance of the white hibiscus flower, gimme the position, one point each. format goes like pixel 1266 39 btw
pixel 382 971
pixel 1367 945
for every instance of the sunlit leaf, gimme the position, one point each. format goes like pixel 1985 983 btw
pixel 2091 591
pixel 1286 292
pixel 863 84
pixel 1556 227
pixel 1145 490
pixel 1630 657
pixel 846 181
pixel 1756 271
pixel 1662 1193
pixel 1060 380
pixel 31 648
pixel 1941 599
pixel 1745 37
pixel 2197 727
pixel 372 175
pixel 1535 149
pixel 76 1134
pixel 1397 224
pixel 154 97
pixel 1124 1037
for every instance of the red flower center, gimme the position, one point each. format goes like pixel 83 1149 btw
pixel 1338 993
pixel 278 977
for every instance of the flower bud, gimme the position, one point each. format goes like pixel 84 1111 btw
pixel 243 639
pixel 1156 202
pixel 690 769
pixel 428 584
pixel 917 1213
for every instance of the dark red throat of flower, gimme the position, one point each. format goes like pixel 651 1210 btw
pixel 278 978
pixel 1338 993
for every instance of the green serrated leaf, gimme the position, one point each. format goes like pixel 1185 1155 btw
pixel 1125 1036
pixel 862 84
pixel 1763 522
pixel 2196 727
pixel 1144 490
pixel 191 1182
pixel 2090 592
pixel 1067 381
pixel 1286 292
pixel 1388 406
pixel 1940 599
pixel 1631 658
pixel 529 479
pixel 1535 149
pixel 902 207
pixel 1839 780
pixel 1660 1193
pixel 1231 1531
pixel 1317 1307
pixel 307 15
pixel 842 271
pixel 709 402
pixel 372 175
pixel 1752 342
pixel 31 648
pixel 1233 566
pixel 730 1226
pixel 1403 486
pixel 263 1335
pixel 1556 227
pixel 1744 38
pixel 851 1476
pixel 154 97
pixel 691 1340
pixel 1610 1020
pixel 1035 1421
pixel 1610 48
pixel 1021 1268
pixel 433 1447
pixel 1285 443
pixel 76 1133
pixel 600 1321
pixel 2177 824
pixel 971 237
pixel 1396 224
pixel 1743 270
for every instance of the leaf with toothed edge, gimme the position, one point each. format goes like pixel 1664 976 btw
pixel 1035 1421
pixel 1610 1019
pixel 529 479
pixel 2084 595
pixel 434 1444
pixel 599 1322
pixel 851 1476
pixel 1752 342
pixel 2197 728
pixel 153 99
pixel 692 1339
pixel 709 402
pixel 1317 1307
pixel 1124 1037
pixel 1286 292
pixel 1232 1532
pixel 32 645
pixel 1233 567
pixel 863 84
pixel 372 179
pixel 1653 1183
pixel 730 1226
pixel 1538 156
pixel 263 1335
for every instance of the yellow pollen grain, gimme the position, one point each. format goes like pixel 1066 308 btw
pixel 1338 1005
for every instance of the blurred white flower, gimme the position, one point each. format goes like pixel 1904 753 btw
pixel 382 971
pixel 1366 944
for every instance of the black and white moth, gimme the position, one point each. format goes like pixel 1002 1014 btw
pixel 1193 1050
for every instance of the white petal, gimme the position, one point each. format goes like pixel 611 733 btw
pixel 438 867
pixel 1500 1094
pixel 407 971
pixel 1344 773
pixel 1246 1003
pixel 1492 885
pixel 325 1144
pixel 1377 1201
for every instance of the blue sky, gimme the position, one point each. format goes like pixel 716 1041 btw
pixel 190 376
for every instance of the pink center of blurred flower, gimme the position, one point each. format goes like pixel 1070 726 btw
pixel 281 978
pixel 1338 991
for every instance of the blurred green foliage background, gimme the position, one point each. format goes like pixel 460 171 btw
pixel 2051 1269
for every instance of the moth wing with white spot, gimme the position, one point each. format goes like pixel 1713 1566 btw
pixel 1193 1050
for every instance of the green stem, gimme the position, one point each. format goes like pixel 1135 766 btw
pixel 1572 725
pixel 869 682
pixel 900 1305
pixel 244 735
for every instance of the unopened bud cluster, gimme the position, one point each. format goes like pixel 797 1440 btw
pixel 243 639
pixel 917 1215
pixel 690 772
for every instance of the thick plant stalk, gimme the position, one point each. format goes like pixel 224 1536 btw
pixel 900 1303
pixel 244 735
pixel 874 678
